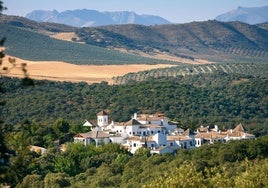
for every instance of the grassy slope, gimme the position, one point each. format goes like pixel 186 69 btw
pixel 33 46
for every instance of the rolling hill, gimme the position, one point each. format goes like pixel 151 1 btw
pixel 30 45
pixel 210 40
pixel 43 28
pixel 213 40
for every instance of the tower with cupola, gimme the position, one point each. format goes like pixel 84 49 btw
pixel 102 118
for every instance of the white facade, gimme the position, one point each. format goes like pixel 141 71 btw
pixel 133 143
pixel 102 118
pixel 155 133
pixel 96 137
pixel 87 124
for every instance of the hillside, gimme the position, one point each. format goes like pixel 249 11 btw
pixel 216 41
pixel 250 15
pixel 43 28
pixel 87 18
pixel 250 69
pixel 203 99
pixel 211 40
pixel 30 45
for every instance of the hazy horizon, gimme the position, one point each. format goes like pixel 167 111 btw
pixel 175 11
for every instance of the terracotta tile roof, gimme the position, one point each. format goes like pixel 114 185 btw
pixel 93 134
pixel 150 118
pixel 133 122
pixel 240 134
pixel 178 137
pixel 136 138
pixel 202 129
pixel 133 138
pixel 98 134
pixel 81 135
pixel 188 132
pixel 211 135
pixel 239 128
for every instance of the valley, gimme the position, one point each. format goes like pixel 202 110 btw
pixel 192 87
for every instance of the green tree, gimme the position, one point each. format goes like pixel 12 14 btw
pixel 255 175
pixel 65 164
pixel 185 176
pixel 143 152
pixel 60 126
pixel 56 180
pixel 32 181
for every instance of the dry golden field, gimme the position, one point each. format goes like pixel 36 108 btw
pixel 61 71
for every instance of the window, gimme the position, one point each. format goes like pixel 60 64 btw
pixel 171 144
pixel 152 145
pixel 130 133
pixel 134 145
pixel 152 132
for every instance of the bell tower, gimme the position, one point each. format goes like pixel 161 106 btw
pixel 102 118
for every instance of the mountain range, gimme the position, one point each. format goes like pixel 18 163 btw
pixel 91 18
pixel 250 15
pixel 87 18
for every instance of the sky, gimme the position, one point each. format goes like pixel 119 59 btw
pixel 175 11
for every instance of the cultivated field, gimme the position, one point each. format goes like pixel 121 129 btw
pixel 68 36
pixel 61 71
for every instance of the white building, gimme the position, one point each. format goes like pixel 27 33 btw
pixel 185 140
pixel 206 136
pixel 95 136
pixel 102 119
pixel 156 133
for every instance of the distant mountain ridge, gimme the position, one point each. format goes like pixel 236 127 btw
pixel 250 15
pixel 87 18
